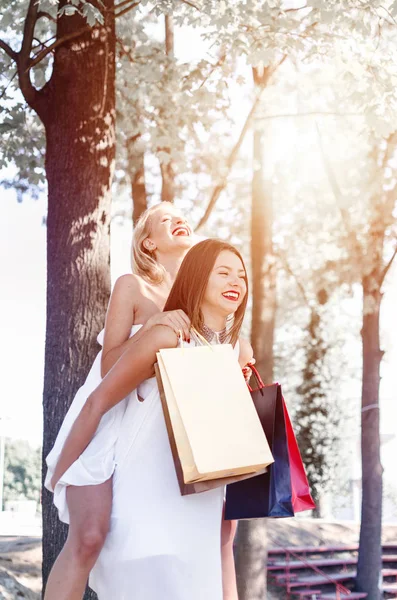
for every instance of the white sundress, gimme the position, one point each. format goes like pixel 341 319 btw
pixel 96 464
pixel 161 545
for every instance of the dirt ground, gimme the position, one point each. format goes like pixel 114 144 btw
pixel 20 557
pixel 20 568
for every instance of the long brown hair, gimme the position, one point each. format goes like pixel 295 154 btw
pixel 190 284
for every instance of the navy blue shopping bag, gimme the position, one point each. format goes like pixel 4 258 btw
pixel 269 494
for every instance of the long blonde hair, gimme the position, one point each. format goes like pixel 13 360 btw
pixel 143 262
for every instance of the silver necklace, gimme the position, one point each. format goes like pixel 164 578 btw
pixel 210 335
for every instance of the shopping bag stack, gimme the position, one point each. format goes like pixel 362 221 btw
pixel 283 490
pixel 215 434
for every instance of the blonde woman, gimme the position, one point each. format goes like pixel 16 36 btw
pixel 83 493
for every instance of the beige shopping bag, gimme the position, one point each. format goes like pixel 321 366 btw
pixel 215 429
pixel 198 486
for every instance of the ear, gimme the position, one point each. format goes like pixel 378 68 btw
pixel 149 245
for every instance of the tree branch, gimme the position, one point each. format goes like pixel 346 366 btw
pixel 122 4
pixel 42 45
pixel 389 13
pixel 355 245
pixel 290 272
pixel 191 4
pixel 126 10
pixel 233 154
pixel 288 10
pixel 214 67
pixel 66 38
pixel 8 50
pixel 388 266
pixel 230 161
pixel 28 31
pixel 8 84
pixel 29 92
pixel 391 142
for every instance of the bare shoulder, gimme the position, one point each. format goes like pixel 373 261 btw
pixel 120 315
pixel 246 352
pixel 127 284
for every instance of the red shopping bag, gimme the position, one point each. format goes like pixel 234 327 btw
pixel 301 498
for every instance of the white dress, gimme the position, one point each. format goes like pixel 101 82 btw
pixel 161 545
pixel 96 464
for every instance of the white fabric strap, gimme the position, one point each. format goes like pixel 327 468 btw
pixel 370 407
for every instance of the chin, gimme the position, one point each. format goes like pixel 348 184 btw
pixel 230 310
pixel 185 241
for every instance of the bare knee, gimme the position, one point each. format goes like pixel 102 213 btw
pixel 88 543
pixel 89 509
pixel 228 532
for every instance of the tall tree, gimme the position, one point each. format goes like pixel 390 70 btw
pixel 382 206
pixel 251 556
pixel 77 107
pixel 367 252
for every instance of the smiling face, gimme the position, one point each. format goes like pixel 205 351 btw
pixel 210 285
pixel 168 231
pixel 226 287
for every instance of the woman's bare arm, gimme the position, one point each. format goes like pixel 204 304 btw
pixel 246 352
pixel 120 317
pixel 133 367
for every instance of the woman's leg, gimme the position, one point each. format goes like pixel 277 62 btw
pixel 89 510
pixel 228 531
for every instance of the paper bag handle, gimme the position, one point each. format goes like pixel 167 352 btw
pixel 258 378
pixel 201 337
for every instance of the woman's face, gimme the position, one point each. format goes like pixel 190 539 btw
pixel 226 285
pixel 169 230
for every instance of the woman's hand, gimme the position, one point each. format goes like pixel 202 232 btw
pixel 247 371
pixel 176 319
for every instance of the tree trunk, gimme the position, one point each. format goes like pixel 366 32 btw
pixel 369 568
pixel 168 180
pixel 263 266
pixel 79 125
pixel 251 558
pixel 167 168
pixel 251 549
pixel 136 169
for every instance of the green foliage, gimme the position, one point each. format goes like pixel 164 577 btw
pixel 172 103
pixel 316 418
pixel 22 479
pixel 183 108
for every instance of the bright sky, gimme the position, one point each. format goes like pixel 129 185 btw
pixel 23 305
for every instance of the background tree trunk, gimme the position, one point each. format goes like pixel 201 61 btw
pixel 369 568
pixel 167 168
pixel 80 135
pixel 251 548
pixel 136 170
pixel 263 266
